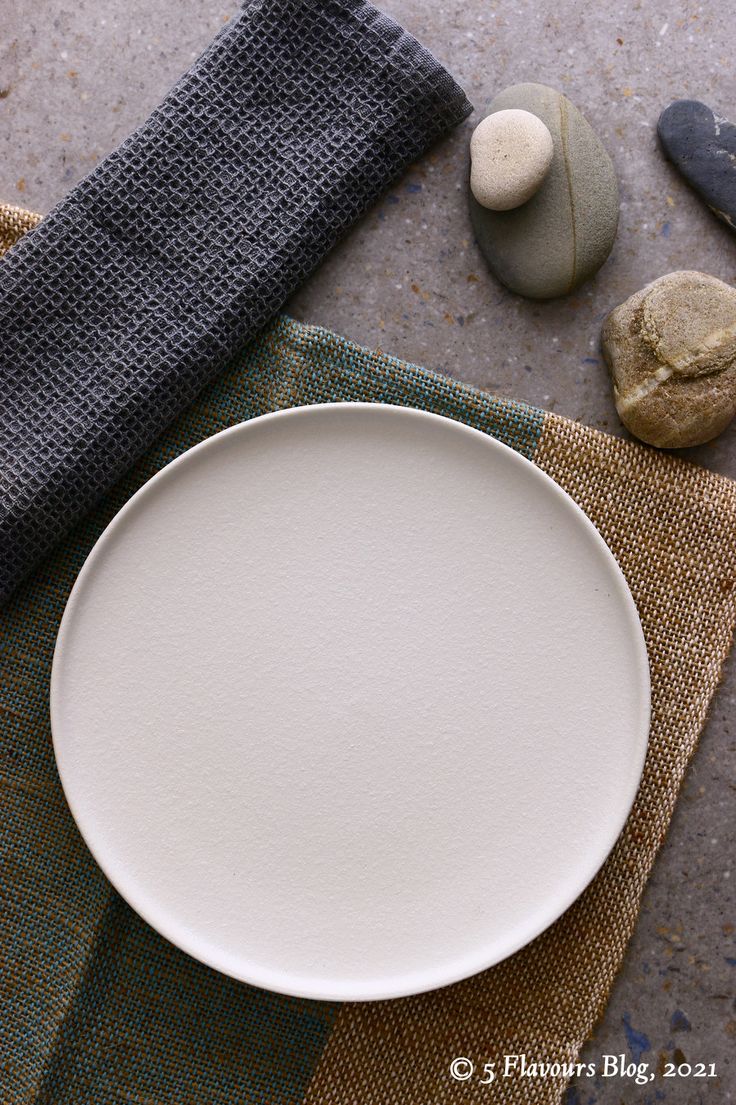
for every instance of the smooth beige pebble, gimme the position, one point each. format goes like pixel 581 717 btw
pixel 510 153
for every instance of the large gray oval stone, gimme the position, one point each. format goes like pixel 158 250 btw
pixel 564 233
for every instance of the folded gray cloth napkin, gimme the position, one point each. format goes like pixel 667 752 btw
pixel 143 282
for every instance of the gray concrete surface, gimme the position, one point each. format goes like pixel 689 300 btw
pixel 77 77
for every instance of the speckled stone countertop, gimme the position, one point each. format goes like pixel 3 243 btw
pixel 77 77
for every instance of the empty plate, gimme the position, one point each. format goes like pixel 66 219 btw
pixel 350 701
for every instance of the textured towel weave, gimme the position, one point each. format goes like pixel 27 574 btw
pixel 141 284
pixel 97 1009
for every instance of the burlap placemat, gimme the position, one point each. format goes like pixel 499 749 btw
pixel 97 1008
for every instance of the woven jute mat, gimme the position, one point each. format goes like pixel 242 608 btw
pixel 98 1008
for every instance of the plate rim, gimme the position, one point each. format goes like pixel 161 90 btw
pixel 268 978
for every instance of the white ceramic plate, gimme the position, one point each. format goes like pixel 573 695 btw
pixel 350 701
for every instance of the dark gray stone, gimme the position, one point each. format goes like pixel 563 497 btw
pixel 702 145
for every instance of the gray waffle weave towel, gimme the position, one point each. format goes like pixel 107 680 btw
pixel 143 282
